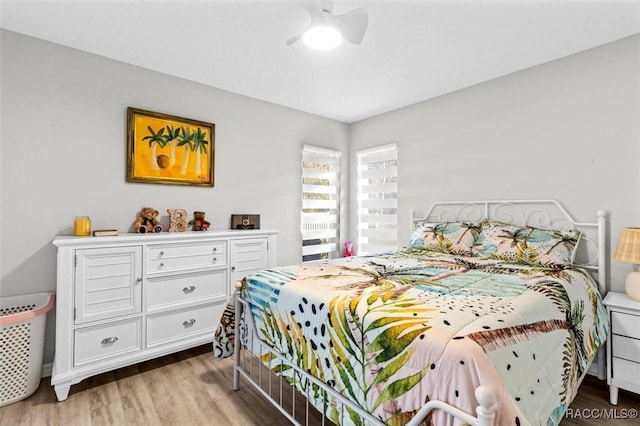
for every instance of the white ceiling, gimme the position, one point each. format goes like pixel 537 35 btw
pixel 412 51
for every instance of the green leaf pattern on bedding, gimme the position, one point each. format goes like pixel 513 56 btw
pixel 367 340
pixel 527 245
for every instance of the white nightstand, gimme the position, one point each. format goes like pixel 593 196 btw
pixel 623 345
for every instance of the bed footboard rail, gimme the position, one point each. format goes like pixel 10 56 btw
pixel 485 411
pixel 282 395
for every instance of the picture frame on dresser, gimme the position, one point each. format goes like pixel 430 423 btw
pixel 133 297
pixel 623 344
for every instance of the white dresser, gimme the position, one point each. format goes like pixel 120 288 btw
pixel 129 298
pixel 623 345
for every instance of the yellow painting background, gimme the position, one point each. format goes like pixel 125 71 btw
pixel 142 163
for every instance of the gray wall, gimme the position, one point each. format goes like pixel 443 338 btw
pixel 64 154
pixel 568 130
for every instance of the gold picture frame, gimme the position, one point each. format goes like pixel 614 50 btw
pixel 171 150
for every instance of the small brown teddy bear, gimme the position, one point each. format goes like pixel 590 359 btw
pixel 199 224
pixel 147 221
pixel 177 220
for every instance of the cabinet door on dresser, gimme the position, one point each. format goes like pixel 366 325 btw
pixel 108 283
pixel 247 256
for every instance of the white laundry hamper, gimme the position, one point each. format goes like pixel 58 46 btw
pixel 22 331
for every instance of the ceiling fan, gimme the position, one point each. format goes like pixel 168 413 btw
pixel 327 29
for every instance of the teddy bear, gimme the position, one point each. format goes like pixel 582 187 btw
pixel 199 224
pixel 147 221
pixel 177 220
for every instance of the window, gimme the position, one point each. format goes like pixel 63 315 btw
pixel 320 203
pixel 378 199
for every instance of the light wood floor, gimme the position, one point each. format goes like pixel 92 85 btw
pixel 190 388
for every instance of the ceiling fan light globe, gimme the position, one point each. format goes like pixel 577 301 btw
pixel 322 38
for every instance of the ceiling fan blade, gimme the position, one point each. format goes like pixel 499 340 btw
pixel 315 12
pixel 353 24
pixel 294 39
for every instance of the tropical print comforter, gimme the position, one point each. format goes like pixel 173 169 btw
pixel 393 331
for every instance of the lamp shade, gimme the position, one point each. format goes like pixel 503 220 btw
pixel 628 249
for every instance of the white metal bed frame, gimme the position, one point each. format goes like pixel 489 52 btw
pixel 548 214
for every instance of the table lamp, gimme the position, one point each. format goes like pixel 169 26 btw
pixel 628 251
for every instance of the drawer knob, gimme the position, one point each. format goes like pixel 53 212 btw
pixel 215 259
pixel 161 265
pixel 139 279
pixel 189 323
pixel 233 268
pixel 189 289
pixel 161 254
pixel 215 249
pixel 109 340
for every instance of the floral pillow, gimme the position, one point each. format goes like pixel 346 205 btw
pixel 446 237
pixel 525 244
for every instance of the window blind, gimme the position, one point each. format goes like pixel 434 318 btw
pixel 320 203
pixel 378 199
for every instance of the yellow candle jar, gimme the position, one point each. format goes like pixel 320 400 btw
pixel 82 226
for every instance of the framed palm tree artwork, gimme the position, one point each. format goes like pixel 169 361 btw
pixel 171 150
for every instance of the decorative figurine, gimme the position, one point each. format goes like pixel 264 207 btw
pixel 147 221
pixel 348 249
pixel 177 220
pixel 199 224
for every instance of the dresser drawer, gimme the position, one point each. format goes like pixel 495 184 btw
pixel 625 324
pixel 625 347
pixel 181 324
pixel 176 257
pixel 193 288
pixel 114 339
pixel 625 371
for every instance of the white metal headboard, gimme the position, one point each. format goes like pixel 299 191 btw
pixel 593 247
